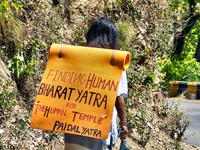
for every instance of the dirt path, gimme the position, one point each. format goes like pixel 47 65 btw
pixel 132 145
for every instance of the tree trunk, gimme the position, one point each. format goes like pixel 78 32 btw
pixel 179 38
pixel 197 53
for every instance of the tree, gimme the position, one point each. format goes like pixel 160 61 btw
pixel 197 53
pixel 192 17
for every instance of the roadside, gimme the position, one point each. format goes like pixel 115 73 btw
pixel 133 145
pixel 192 109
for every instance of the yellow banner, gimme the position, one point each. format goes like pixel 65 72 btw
pixel 78 90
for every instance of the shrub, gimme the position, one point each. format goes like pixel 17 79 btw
pixel 11 28
pixel 179 69
pixel 19 66
pixel 183 67
pixel 176 122
pixel 7 97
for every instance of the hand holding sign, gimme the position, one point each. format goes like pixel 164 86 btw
pixel 78 90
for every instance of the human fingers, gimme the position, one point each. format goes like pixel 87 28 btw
pixel 124 132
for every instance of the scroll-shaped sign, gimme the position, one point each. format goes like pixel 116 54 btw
pixel 78 90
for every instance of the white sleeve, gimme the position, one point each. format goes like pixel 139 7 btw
pixel 123 86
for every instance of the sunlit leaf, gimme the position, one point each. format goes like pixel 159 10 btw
pixel 3 9
pixel 16 7
pixel 19 4
pixel 6 3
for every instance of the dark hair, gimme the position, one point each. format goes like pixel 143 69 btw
pixel 103 34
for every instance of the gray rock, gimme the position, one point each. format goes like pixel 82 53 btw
pixel 191 96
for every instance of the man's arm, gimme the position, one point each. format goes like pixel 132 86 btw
pixel 120 106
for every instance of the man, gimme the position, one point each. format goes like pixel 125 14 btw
pixel 103 34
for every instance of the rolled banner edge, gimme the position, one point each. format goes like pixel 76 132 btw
pixel 126 62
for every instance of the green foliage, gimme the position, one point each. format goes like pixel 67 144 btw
pixel 183 67
pixel 181 70
pixel 191 41
pixel 150 78
pixel 80 36
pixel 177 145
pixel 143 77
pixel 17 5
pixel 19 66
pixel 7 96
pixel 144 30
pixel 126 36
pixel 4 5
pixel 2 53
pixel 178 5
pixel 11 28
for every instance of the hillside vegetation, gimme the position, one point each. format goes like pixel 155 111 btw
pixel 146 30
